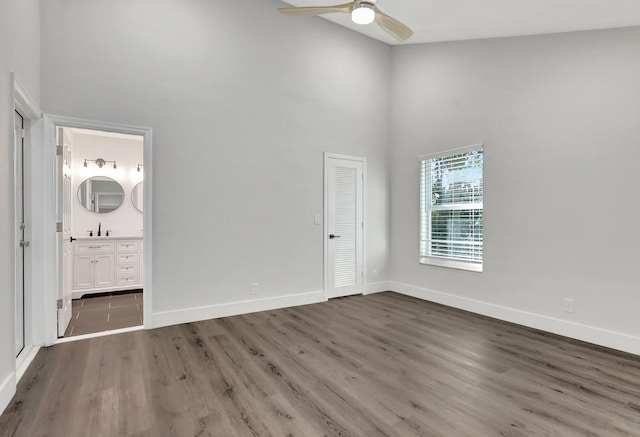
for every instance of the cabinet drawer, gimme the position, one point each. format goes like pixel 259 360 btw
pixel 81 248
pixel 127 279
pixel 127 269
pixel 127 246
pixel 124 258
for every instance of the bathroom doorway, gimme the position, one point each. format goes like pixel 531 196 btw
pixel 102 188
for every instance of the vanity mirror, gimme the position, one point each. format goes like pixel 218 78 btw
pixel 100 194
pixel 136 196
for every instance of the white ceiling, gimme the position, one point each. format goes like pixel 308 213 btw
pixel 452 20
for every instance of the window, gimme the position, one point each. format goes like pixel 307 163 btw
pixel 451 208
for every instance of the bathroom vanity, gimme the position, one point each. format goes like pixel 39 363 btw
pixel 102 264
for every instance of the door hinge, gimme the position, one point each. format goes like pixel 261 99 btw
pixel 59 304
pixel 59 150
pixel 24 243
pixel 22 226
pixel 59 227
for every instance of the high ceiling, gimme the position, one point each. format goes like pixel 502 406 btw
pixel 452 20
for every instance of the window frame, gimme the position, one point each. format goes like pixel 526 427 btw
pixel 441 261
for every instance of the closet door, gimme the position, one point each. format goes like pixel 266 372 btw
pixel 344 195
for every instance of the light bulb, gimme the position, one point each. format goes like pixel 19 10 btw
pixel 364 13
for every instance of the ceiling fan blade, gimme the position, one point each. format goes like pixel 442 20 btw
pixel 317 10
pixel 395 28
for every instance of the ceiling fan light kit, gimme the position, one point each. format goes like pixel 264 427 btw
pixel 362 12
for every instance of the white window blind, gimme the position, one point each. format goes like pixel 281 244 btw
pixel 451 186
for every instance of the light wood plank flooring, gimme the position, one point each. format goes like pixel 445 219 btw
pixel 380 365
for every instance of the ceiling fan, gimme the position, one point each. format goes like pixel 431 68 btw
pixel 362 12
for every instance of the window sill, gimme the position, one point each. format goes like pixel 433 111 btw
pixel 451 263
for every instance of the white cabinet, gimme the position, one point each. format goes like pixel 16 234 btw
pixel 93 271
pixel 111 265
pixel 104 270
pixel 83 272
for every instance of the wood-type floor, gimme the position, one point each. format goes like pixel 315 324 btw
pixel 379 365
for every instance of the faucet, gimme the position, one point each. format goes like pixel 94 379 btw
pixel 99 225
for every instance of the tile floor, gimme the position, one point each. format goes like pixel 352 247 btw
pixel 105 312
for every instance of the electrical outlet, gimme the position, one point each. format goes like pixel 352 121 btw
pixel 316 219
pixel 374 274
pixel 254 288
pixel 567 305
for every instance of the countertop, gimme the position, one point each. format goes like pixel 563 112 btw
pixel 110 237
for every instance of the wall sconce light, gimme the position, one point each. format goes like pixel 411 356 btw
pixel 139 165
pixel 99 162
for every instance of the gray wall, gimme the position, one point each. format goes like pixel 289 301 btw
pixel 560 118
pixel 20 54
pixel 243 101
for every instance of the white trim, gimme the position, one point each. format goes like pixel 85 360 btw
pixel 457 151
pixel 377 287
pixel 451 263
pixel 578 331
pixel 23 103
pixel 24 360
pixel 78 294
pixel 167 318
pixel 7 390
pixel 50 295
pixel 363 160
pixel 99 334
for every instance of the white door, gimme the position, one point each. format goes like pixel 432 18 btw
pixel 344 194
pixel 64 244
pixel 20 232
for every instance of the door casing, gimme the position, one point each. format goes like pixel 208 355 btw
pixel 33 307
pixel 50 292
pixel 19 231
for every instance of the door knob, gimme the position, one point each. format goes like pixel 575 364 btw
pixel 72 239
pixel 332 236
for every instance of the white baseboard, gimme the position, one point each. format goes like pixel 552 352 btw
pixel 167 318
pixel 24 360
pixel 78 294
pixel 590 334
pixel 7 390
pixel 377 287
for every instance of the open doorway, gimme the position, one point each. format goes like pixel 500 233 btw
pixel 102 174
pixel 100 181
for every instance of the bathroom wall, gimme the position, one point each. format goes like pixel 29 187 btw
pixel 128 153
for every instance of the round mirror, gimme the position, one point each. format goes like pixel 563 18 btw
pixel 137 197
pixel 100 194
